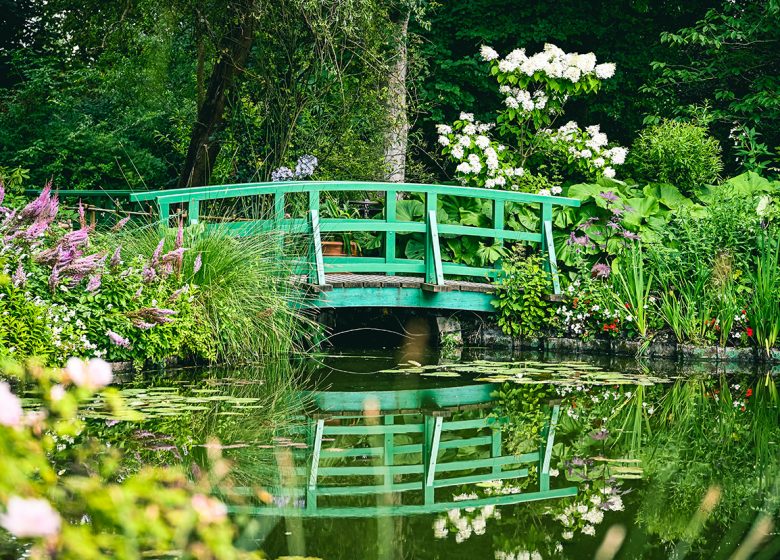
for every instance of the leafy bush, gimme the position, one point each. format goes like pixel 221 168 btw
pixel 682 154
pixel 520 296
pixel 534 89
pixel 64 297
pixel 65 495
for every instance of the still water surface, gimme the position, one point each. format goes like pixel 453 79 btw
pixel 360 457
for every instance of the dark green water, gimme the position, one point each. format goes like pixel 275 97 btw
pixel 668 461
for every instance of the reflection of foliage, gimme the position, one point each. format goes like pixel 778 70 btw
pixel 526 408
pixel 711 433
pixel 92 507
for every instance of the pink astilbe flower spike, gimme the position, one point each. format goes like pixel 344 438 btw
pixel 120 224
pixel 116 258
pixel 198 263
pixel 94 283
pixel 179 235
pixel 82 216
pixel 30 518
pixel 118 339
pixel 157 252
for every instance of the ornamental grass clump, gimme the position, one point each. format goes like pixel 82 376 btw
pixel 242 283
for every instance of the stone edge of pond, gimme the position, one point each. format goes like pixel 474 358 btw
pixel 491 336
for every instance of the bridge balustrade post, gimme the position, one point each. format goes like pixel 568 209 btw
pixel 165 213
pixel 431 240
pixel 498 220
pixel 390 217
pixel 193 211
pixel 316 262
pixel 548 245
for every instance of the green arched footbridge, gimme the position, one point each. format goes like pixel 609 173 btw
pixel 404 238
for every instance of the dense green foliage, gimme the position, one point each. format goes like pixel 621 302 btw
pixel 520 296
pixel 678 153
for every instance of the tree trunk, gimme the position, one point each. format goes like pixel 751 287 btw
pixel 398 126
pixel 204 144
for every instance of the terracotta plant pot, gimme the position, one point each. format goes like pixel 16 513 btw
pixel 336 248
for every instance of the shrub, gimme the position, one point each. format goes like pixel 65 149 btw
pixel 522 307
pixel 680 153
pixel 65 494
pixel 64 297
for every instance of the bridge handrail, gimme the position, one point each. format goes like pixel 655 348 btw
pixel 215 192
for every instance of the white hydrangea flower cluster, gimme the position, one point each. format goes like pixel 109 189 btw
pixel 469 521
pixel 552 62
pixel 478 156
pixel 522 99
pixel 588 147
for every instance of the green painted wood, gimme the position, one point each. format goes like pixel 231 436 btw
pixel 495 447
pixel 315 460
pixel 370 489
pixel 356 452
pixel 553 261
pixel 318 269
pixel 403 399
pixel 401 297
pixel 477 478
pixel 390 218
pixel 486 463
pixel 433 232
pixel 369 470
pixel 465 442
pixel 544 471
pixel 474 424
pixel 193 211
pixel 373 430
pixel 434 452
pixel 165 215
pixel 401 510
pixel 248 189
pixel 432 266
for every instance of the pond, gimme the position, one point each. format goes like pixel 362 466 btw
pixel 355 455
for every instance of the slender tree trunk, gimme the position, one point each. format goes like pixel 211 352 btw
pixel 204 143
pixel 396 138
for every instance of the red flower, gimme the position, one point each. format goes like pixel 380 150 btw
pixel 749 331
pixel 749 393
pixel 742 408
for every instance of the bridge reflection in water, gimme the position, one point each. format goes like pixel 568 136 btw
pixel 398 453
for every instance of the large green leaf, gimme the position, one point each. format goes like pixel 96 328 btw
pixel 409 211
pixel 640 209
pixel 668 195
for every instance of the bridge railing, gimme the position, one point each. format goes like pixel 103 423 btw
pixel 432 266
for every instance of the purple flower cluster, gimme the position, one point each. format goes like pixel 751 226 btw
pixel 149 317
